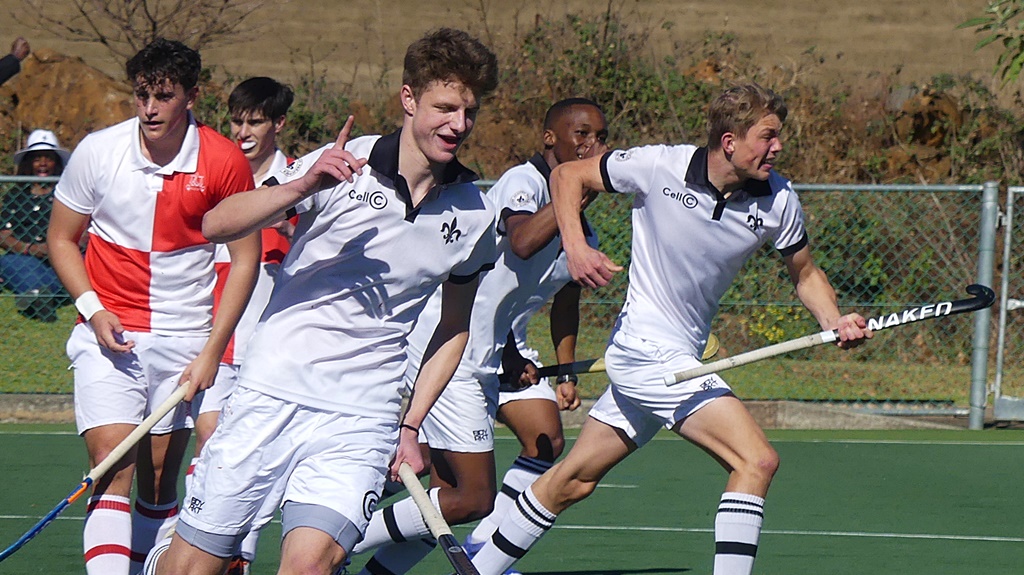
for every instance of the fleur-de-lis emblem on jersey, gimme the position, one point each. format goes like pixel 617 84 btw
pixel 450 231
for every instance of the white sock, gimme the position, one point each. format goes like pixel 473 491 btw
pixel 395 523
pixel 522 474
pixel 737 531
pixel 150 523
pixel 398 557
pixel 107 535
pixel 527 521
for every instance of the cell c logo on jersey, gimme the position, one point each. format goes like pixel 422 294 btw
pixel 623 155
pixel 370 501
pixel 688 200
pixel 377 200
pixel 196 183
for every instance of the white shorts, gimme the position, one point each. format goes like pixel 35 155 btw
pixel 327 468
pixel 462 419
pixel 543 389
pixel 638 401
pixel 112 388
pixel 214 398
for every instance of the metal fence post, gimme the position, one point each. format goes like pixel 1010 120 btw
pixel 982 318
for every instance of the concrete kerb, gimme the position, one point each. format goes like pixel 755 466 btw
pixel 59 408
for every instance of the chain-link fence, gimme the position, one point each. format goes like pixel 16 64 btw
pixel 884 249
pixel 35 312
pixel 1008 383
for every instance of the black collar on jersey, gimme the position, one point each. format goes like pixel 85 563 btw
pixel 697 175
pixel 542 166
pixel 384 160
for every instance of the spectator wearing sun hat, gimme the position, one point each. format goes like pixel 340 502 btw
pixel 24 216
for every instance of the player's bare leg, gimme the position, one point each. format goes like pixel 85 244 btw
pixel 107 531
pixel 308 551
pixel 597 450
pixel 726 430
pixel 538 426
pixel 466 482
pixel 462 485
pixel 184 559
pixel 156 504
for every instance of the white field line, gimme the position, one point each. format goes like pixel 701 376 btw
pixel 932 536
pixel 783 532
pixel 850 441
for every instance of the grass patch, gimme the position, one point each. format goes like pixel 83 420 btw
pixel 32 357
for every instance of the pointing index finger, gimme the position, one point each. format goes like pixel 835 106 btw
pixel 345 131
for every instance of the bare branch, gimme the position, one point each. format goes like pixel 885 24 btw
pixel 125 26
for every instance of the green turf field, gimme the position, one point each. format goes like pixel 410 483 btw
pixel 887 502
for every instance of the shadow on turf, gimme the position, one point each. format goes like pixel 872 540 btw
pixel 613 572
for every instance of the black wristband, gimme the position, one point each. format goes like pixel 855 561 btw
pixel 567 378
pixel 415 430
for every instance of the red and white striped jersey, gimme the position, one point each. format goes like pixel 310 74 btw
pixel 147 258
pixel 275 246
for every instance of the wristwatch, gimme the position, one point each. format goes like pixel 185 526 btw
pixel 567 378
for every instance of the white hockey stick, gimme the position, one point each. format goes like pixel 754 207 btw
pixel 983 298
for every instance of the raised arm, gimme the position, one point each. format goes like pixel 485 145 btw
pixel 242 214
pixel 818 296
pixel 569 181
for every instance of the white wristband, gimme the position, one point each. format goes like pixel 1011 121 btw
pixel 88 304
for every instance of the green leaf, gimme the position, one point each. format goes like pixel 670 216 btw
pixel 973 22
pixel 986 41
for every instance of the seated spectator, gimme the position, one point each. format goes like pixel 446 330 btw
pixel 24 216
pixel 11 63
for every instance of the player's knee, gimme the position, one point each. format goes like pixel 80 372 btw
pixel 574 491
pixel 764 465
pixel 547 447
pixel 557 446
pixel 299 564
pixel 467 505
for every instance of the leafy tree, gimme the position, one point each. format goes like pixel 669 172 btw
pixel 125 26
pixel 1001 22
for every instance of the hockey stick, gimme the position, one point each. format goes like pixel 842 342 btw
pixel 597 365
pixel 983 298
pixel 101 468
pixel 435 522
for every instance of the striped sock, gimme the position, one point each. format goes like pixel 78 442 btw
pixel 737 531
pixel 527 521
pixel 399 556
pixel 396 523
pixel 107 535
pixel 522 474
pixel 150 523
